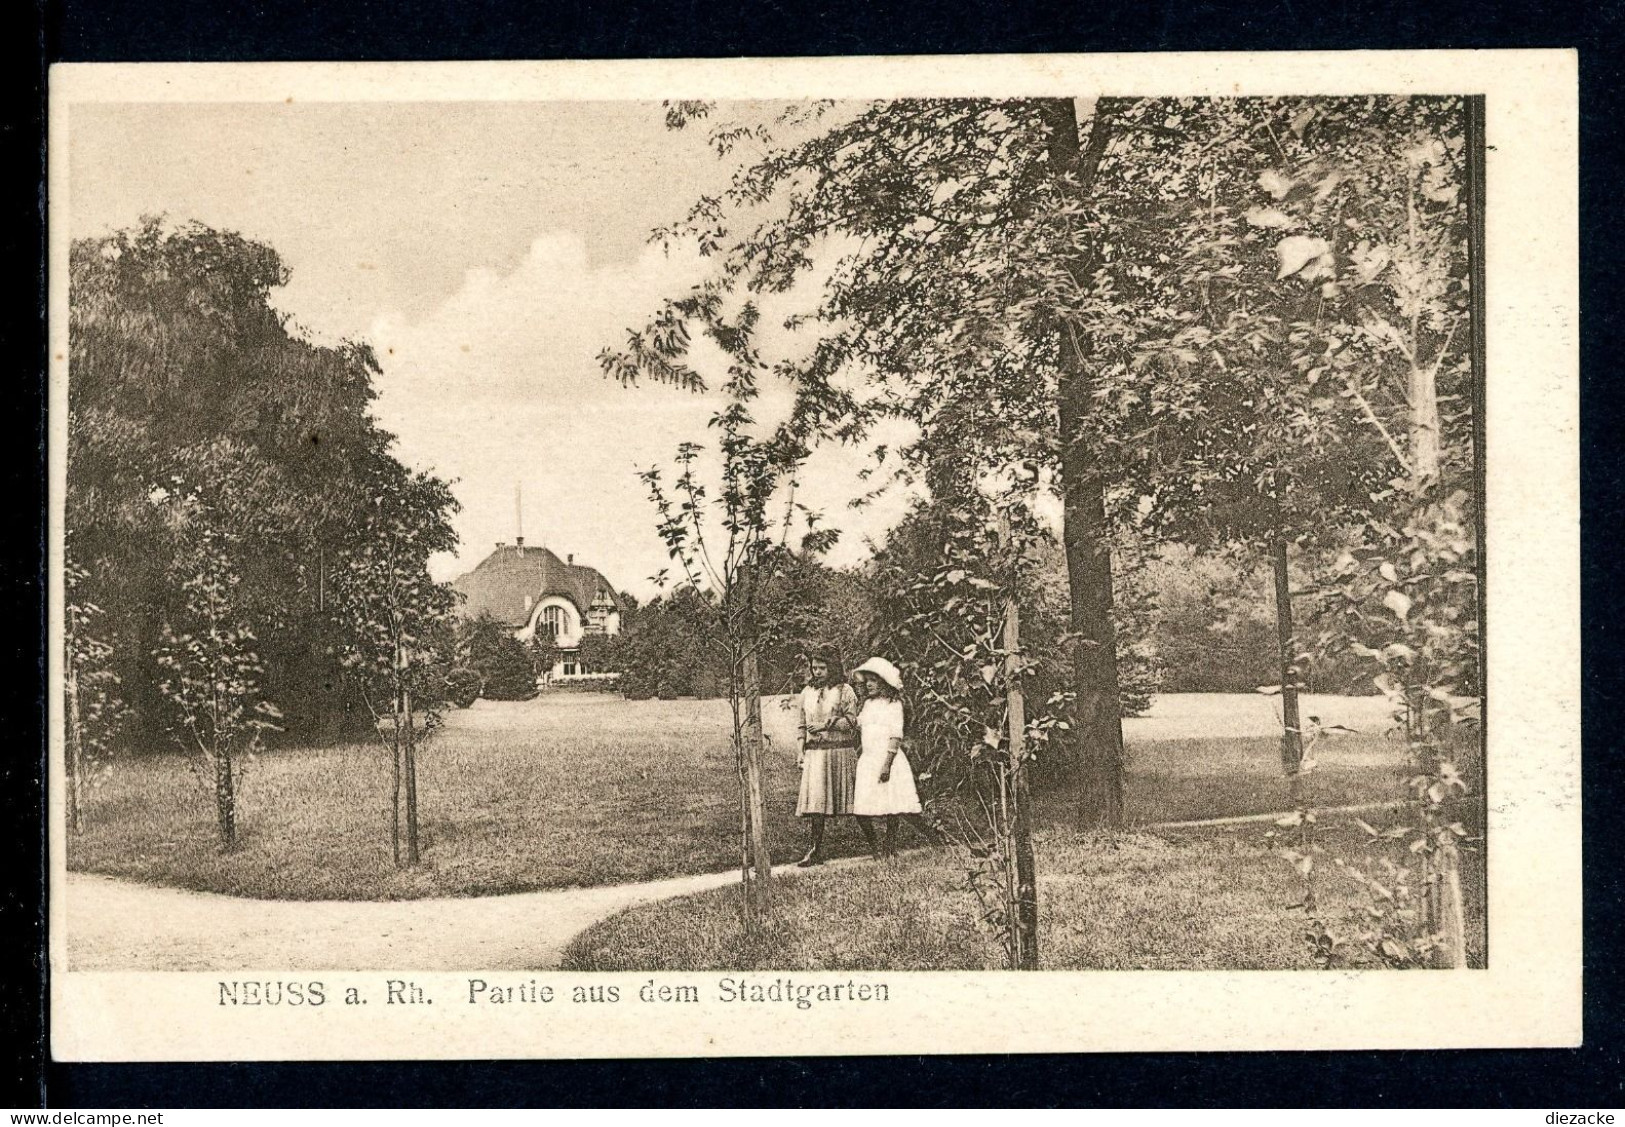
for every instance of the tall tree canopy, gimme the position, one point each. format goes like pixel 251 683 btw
pixel 955 243
pixel 195 408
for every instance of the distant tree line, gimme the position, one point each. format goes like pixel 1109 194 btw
pixel 1189 622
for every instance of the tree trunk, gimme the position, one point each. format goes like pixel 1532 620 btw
pixel 409 762
pixel 1024 910
pixel 759 866
pixel 225 797
pixel 1424 396
pixel 395 790
pixel 1291 725
pixel 1422 391
pixel 76 754
pixel 1443 899
pixel 1085 534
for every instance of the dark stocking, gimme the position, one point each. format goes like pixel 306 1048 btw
pixel 867 825
pixel 816 853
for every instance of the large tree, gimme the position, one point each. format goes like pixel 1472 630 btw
pixel 960 259
pixel 1250 451
pixel 182 373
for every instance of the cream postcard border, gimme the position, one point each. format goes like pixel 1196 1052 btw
pixel 1530 995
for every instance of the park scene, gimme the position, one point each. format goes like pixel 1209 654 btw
pixel 899 535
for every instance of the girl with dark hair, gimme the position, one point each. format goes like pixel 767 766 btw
pixel 827 750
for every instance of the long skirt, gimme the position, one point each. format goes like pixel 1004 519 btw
pixel 827 777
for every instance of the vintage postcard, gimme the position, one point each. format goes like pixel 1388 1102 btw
pixel 814 556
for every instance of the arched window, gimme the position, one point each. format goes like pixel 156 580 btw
pixel 555 621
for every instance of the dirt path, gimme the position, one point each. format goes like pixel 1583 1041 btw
pixel 118 925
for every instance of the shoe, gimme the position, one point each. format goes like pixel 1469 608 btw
pixel 812 858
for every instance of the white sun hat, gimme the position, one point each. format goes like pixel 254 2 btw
pixel 883 669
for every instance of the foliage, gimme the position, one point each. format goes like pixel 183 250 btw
pixel 1134 604
pixel 1407 602
pixel 391 615
pixel 954 574
pixel 94 688
pixel 1211 626
pixel 183 372
pixel 462 686
pixel 1232 443
pixel 212 676
pixel 950 248
pixel 806 604
pixel 502 661
pixel 597 653
pixel 812 607
pixel 667 653
pixel 947 539
pixel 544 654
pixel 725 567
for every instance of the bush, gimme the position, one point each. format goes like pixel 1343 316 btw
pixel 670 648
pixel 599 653
pixel 462 686
pixel 544 655
pixel 501 660
pixel 666 649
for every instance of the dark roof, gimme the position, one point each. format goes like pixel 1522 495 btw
pixel 499 584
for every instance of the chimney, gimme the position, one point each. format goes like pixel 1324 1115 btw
pixel 570 559
pixel 501 544
pixel 520 541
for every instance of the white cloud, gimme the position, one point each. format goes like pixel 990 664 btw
pixel 500 385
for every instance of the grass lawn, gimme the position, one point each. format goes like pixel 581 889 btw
pixel 576 790
pixel 1209 899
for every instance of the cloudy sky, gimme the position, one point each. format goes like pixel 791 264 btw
pixel 488 251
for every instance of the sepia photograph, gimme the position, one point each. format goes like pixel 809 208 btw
pixel 786 540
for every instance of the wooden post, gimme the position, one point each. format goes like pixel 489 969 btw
pixel 1024 920
pixel 1452 909
pixel 1291 724
pixel 759 864
pixel 410 764
pixel 395 764
pixel 395 792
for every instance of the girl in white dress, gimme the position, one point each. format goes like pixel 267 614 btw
pixel 885 779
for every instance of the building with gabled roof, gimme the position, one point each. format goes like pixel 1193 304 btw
pixel 532 591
